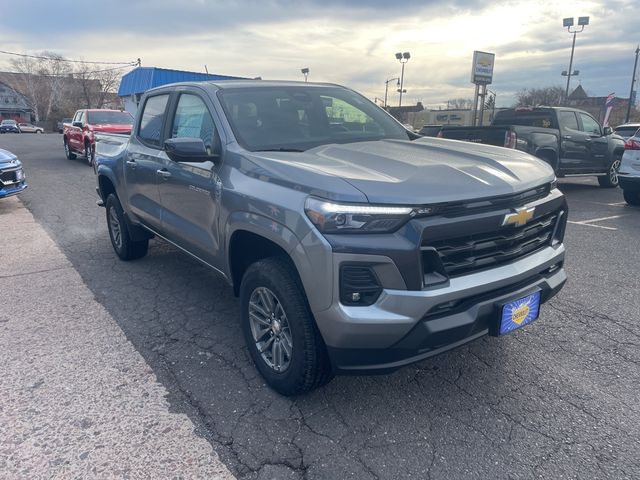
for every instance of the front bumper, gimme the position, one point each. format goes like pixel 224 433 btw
pixel 405 326
pixel 9 190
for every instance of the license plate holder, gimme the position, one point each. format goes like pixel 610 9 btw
pixel 516 314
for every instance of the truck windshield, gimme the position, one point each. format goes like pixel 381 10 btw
pixel 526 118
pixel 113 118
pixel 297 118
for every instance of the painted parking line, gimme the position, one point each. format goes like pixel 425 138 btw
pixel 590 223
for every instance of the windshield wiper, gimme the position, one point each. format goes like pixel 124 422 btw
pixel 281 149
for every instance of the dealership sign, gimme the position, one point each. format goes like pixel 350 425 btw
pixel 482 68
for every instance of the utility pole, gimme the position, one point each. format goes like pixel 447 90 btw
pixel 386 88
pixel 403 57
pixel 568 22
pixel 633 81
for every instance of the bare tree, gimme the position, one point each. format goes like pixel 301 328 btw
pixel 548 96
pixel 460 103
pixel 96 85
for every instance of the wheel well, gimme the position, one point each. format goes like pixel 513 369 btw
pixel 246 248
pixel 549 156
pixel 618 153
pixel 106 187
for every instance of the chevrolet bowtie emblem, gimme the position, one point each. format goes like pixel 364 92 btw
pixel 520 217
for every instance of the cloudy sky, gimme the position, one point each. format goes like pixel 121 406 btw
pixel 347 42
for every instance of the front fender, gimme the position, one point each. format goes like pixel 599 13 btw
pixel 311 257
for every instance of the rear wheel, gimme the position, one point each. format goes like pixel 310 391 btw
pixel 124 246
pixel 610 180
pixel 632 197
pixel 279 330
pixel 70 155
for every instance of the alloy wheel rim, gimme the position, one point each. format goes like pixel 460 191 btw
pixel 613 173
pixel 270 329
pixel 116 232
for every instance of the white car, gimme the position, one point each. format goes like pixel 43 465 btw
pixel 28 128
pixel 627 130
pixel 629 173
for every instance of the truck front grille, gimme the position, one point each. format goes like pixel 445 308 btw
pixel 471 253
pixel 8 177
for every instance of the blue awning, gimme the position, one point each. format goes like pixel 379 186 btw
pixel 141 79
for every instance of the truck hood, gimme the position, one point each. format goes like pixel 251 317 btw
pixel 8 159
pixel 428 170
pixel 112 128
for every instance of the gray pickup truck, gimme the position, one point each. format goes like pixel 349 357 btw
pixel 568 139
pixel 354 245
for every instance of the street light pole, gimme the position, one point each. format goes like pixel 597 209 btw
pixel 305 72
pixel 633 81
pixel 568 22
pixel 403 58
pixel 386 88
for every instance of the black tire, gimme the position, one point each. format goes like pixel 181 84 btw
pixel 632 197
pixel 38 131
pixel 610 180
pixel 126 248
pixel 67 151
pixel 89 153
pixel 309 365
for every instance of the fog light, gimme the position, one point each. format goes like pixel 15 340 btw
pixel 359 285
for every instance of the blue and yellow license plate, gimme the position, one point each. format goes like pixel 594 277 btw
pixel 519 313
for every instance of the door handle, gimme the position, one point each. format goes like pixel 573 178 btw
pixel 164 173
pixel 566 137
pixel 131 163
pixel 587 139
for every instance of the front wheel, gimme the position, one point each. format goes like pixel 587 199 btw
pixel 610 180
pixel 279 330
pixel 38 131
pixel 67 151
pixel 632 197
pixel 123 245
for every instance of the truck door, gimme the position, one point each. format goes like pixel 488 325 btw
pixel 597 144
pixel 144 157
pixel 574 148
pixel 190 192
pixel 75 132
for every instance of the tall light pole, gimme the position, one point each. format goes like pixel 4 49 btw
pixel 633 81
pixel 305 72
pixel 403 58
pixel 568 22
pixel 386 88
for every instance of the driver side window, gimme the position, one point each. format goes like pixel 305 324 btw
pixel 589 125
pixel 193 120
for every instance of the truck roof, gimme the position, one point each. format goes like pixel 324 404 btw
pixel 224 84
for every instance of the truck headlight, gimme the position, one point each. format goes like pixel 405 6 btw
pixel 329 217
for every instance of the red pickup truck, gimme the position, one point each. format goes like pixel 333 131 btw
pixel 78 136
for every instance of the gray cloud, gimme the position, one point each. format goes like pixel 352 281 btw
pixel 349 42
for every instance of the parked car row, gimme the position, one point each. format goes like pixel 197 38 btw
pixel 11 126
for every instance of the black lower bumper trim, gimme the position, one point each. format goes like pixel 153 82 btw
pixel 434 335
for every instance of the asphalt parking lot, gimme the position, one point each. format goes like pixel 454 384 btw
pixel 558 399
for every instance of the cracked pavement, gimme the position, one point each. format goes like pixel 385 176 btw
pixel 558 399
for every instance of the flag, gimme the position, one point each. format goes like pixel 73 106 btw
pixel 608 106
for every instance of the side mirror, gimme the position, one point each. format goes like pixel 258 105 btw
pixel 608 131
pixel 77 124
pixel 189 150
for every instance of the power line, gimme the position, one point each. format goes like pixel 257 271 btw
pixel 62 59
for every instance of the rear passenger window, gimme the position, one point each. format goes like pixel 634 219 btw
pixel 151 119
pixel 568 120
